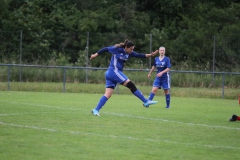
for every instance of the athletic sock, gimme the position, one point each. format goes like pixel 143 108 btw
pixel 101 103
pixel 168 99
pixel 138 94
pixel 151 96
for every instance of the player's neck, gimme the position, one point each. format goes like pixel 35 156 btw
pixel 161 56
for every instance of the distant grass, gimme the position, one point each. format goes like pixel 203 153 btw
pixel 47 125
pixel 229 93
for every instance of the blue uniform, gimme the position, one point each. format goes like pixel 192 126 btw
pixel 164 80
pixel 114 73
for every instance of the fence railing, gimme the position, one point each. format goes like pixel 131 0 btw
pixel 76 49
pixel 86 69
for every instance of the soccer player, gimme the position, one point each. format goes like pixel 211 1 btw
pixel 163 65
pixel 234 118
pixel 114 75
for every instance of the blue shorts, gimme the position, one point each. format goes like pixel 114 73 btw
pixel 113 77
pixel 165 84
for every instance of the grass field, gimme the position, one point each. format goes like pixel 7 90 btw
pixel 59 126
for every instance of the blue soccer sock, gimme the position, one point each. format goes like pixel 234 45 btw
pixel 101 102
pixel 151 96
pixel 168 99
pixel 138 94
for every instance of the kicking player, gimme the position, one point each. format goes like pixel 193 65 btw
pixel 162 79
pixel 114 75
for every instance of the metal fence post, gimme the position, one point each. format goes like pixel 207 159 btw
pixel 64 79
pixel 9 78
pixel 150 59
pixel 213 65
pixel 223 81
pixel 87 57
pixel 20 74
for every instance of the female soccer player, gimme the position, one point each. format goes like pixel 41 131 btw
pixel 114 75
pixel 163 65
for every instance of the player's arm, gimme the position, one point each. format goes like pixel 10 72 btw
pixel 139 55
pixel 168 67
pixel 151 70
pixel 105 49
pixel 164 71
pixel 151 54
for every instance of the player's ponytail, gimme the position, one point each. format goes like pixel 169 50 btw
pixel 124 44
pixel 128 43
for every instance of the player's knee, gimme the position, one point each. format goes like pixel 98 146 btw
pixel 131 86
pixel 107 96
pixel 154 90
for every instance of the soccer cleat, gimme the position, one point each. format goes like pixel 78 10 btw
pixel 234 118
pixel 149 103
pixel 95 112
pixel 167 106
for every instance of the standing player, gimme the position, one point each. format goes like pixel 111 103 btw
pixel 163 65
pixel 114 75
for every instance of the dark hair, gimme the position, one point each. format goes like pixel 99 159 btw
pixel 124 44
pixel 128 43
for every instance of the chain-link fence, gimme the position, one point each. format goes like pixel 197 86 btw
pixel 213 53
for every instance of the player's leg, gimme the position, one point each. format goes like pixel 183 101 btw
pixel 156 86
pixel 121 78
pixel 110 85
pixel 166 88
pixel 153 93
pixel 103 100
pixel 138 93
pixel 167 97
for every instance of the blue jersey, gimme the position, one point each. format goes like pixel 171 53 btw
pixel 161 65
pixel 114 73
pixel 119 57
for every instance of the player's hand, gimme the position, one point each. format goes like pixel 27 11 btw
pixel 94 56
pixel 149 76
pixel 159 74
pixel 154 53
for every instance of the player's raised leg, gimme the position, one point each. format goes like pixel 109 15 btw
pixel 138 94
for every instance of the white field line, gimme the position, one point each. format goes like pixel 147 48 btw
pixel 114 136
pixel 131 116
pixel 165 120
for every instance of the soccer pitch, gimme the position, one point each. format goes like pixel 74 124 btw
pixel 45 125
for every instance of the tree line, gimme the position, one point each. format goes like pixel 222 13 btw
pixel 197 34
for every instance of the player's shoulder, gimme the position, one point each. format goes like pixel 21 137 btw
pixel 167 58
pixel 114 48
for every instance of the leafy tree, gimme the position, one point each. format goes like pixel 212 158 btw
pixel 58 28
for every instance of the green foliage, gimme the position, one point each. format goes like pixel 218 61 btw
pixel 59 27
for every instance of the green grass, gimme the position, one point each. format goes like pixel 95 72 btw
pixel 54 126
pixel 201 92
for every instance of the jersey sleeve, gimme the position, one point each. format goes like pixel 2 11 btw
pixel 104 49
pixel 110 49
pixel 114 49
pixel 168 63
pixel 137 55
